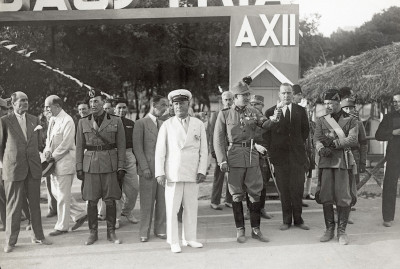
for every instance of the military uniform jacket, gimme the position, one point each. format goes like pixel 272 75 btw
pixel 349 126
pixel 102 161
pixel 237 125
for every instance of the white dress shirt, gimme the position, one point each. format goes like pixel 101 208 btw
pixel 22 122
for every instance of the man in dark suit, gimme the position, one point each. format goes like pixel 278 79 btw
pixel 285 141
pixel 22 171
pixel 152 196
pixel 3 111
pixel 389 130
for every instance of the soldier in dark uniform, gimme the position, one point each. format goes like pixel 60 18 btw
pixel 238 125
pixel 100 159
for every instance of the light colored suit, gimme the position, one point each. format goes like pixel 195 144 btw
pixel 22 172
pixel 61 143
pixel 152 194
pixel 180 156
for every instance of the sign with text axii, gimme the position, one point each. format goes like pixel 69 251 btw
pixel 258 32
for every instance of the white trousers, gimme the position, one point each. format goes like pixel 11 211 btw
pixel 66 206
pixel 175 194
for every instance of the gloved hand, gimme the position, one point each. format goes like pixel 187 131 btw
pixel 80 175
pixel 120 177
pixel 325 152
pixel 260 148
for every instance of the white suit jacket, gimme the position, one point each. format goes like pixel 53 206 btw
pixel 61 143
pixel 180 155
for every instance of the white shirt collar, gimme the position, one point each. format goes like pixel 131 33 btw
pixel 153 118
pixel 20 116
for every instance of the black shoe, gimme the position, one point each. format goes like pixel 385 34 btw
pixel 112 237
pixel 161 236
pixel 79 223
pixel 93 237
pixel 284 227
pixel 57 232
pixel 302 226
pixel 256 234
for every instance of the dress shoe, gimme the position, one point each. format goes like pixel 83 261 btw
pixel 240 235
pixel 302 226
pixel 93 237
pixel 131 218
pixel 228 205
pixel 144 239
pixel 79 223
pixel 256 234
pixel 112 237
pixel 264 214
pixel 328 235
pixel 304 204
pixel 192 244
pixel 309 196
pixel 161 236
pixel 284 227
pixel 387 223
pixel 51 214
pixel 215 206
pixel 43 241
pixel 57 232
pixel 8 248
pixel 175 248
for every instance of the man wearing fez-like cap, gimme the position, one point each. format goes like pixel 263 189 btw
pixel 257 101
pixel 180 164
pixel 239 158
pixel 335 134
pixel 100 159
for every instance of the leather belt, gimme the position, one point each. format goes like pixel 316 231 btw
pixel 244 144
pixel 101 147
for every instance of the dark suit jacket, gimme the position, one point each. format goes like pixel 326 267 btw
pixel 20 155
pixel 280 139
pixel 144 144
pixel 390 122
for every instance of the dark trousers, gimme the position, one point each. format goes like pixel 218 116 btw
pixel 392 174
pixel 2 202
pixel 290 181
pixel 16 193
pixel 52 202
pixel 217 188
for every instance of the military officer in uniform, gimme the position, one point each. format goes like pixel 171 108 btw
pixel 335 134
pixel 238 125
pixel 100 159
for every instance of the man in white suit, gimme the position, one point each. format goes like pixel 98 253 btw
pixel 60 149
pixel 180 164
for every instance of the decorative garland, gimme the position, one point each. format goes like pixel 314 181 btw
pixel 25 53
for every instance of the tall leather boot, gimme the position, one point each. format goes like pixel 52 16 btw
pixel 263 197
pixel 329 223
pixel 111 219
pixel 239 221
pixel 93 224
pixel 343 217
pixel 255 220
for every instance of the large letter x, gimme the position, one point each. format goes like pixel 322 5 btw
pixel 269 30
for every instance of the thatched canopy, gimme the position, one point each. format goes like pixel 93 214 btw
pixel 373 76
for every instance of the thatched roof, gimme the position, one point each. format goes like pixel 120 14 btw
pixel 373 76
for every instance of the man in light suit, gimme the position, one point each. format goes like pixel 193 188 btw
pixel 100 160
pixel 152 194
pixel 22 171
pixel 60 150
pixel 180 164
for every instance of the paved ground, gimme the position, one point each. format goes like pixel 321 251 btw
pixel 372 245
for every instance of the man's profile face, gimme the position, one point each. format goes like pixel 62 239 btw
pixel 108 108
pixel 160 107
pixel 286 94
pixel 83 110
pixel 396 102
pixel 121 109
pixel 96 104
pixel 181 108
pixel 51 108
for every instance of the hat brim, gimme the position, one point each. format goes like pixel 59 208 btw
pixel 180 98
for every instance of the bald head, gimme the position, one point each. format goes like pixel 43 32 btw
pixel 53 105
pixel 19 101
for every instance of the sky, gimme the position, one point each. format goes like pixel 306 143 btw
pixel 341 13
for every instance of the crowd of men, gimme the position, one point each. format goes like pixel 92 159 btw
pixel 163 156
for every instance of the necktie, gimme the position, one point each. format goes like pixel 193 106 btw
pixel 287 115
pixel 158 124
pixel 185 124
pixel 22 123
